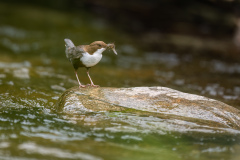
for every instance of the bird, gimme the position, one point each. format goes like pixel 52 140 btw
pixel 86 56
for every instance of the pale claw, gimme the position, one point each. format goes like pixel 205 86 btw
pixel 82 86
pixel 92 85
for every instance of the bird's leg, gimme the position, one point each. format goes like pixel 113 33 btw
pixel 80 85
pixel 91 79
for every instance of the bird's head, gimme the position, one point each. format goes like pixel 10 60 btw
pixel 100 45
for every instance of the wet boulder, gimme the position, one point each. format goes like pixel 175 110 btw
pixel 182 112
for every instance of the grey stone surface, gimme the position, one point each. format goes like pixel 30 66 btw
pixel 179 111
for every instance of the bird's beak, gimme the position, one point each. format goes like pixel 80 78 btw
pixel 112 46
pixel 114 51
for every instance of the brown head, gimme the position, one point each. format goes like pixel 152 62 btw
pixel 93 47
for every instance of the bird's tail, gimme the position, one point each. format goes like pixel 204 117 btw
pixel 69 43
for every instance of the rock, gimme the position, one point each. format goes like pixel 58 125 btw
pixel 181 112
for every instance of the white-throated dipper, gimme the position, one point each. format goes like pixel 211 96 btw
pixel 86 55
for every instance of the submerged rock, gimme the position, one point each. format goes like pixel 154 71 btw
pixel 180 111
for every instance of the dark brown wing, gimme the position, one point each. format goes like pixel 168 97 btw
pixel 74 56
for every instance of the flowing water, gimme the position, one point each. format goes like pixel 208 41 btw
pixel 34 72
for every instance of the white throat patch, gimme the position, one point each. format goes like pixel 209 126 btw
pixel 91 60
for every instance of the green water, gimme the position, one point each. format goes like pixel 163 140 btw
pixel 34 72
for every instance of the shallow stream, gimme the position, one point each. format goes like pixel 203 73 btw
pixel 34 72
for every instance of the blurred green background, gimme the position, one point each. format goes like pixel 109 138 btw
pixel 191 46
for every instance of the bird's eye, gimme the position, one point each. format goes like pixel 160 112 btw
pixel 99 45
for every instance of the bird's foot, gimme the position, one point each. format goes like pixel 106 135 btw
pixel 93 85
pixel 82 86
